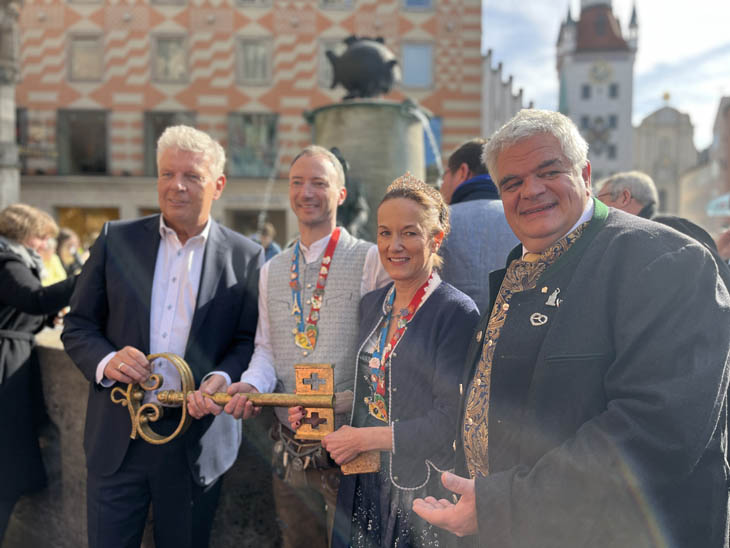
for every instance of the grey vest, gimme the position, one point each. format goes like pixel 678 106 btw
pixel 338 321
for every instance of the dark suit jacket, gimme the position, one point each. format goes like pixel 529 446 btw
pixel 110 309
pixel 607 421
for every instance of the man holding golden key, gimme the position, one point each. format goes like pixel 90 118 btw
pixel 309 299
pixel 176 283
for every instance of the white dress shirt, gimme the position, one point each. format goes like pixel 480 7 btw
pixel 261 373
pixel 174 293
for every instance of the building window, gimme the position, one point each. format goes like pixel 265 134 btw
pixel 251 144
pixel 82 142
pixel 169 62
pixel 612 121
pixel 154 124
pixel 85 56
pixel 253 61
pixel 613 91
pixel 325 74
pixel 336 4
pixel 585 91
pixel 417 65
pixel 611 151
pixel 584 122
pixel 420 4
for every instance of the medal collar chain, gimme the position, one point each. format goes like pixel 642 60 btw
pixel 306 332
pixel 383 351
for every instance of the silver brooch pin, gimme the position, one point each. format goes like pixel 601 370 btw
pixel 538 319
pixel 553 299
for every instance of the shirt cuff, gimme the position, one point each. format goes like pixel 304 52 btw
pixel 100 378
pixel 257 381
pixel 221 373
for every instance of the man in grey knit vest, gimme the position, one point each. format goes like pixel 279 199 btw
pixel 309 299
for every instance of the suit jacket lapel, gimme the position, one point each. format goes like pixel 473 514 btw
pixel 148 247
pixel 213 265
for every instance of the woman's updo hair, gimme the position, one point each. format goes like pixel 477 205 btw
pixel 436 211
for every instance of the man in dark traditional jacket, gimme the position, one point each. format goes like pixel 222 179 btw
pixel 595 413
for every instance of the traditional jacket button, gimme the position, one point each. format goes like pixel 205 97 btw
pixel 395 478
pixel 479 336
pixel 461 389
pixel 505 306
pixel 470 421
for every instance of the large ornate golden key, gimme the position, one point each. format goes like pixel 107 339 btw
pixel 314 391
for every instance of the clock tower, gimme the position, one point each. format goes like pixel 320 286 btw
pixel 595 63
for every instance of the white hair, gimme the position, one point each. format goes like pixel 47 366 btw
pixel 640 185
pixel 531 122
pixel 193 140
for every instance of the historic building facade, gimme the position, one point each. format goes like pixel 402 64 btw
pixel 664 148
pixel 595 63
pixel 9 174
pixel 100 80
pixel 499 102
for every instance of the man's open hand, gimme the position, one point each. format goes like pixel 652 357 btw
pixel 459 518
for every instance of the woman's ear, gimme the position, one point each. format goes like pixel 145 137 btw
pixel 438 238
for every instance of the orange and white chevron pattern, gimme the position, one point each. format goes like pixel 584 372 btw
pixel 127 30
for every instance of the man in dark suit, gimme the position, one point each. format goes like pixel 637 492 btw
pixel 180 283
pixel 595 414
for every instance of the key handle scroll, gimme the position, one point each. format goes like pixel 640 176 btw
pixel 143 414
pixel 314 391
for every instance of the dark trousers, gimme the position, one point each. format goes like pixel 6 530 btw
pixel 118 505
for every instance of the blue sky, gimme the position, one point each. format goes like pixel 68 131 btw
pixel 683 51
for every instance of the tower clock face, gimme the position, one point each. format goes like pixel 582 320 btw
pixel 600 72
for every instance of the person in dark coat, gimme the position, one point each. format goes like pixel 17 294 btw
pixel 25 308
pixel 596 410
pixel 413 338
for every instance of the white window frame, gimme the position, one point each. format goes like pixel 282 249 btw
pixel 241 43
pixel 404 65
pixel 73 39
pixel 156 76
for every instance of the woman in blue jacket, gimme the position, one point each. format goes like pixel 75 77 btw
pixel 414 334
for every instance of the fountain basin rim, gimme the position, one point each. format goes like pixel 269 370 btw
pixel 402 106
